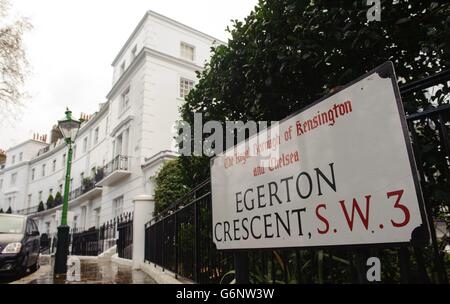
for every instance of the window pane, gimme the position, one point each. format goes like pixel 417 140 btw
pixel 187 51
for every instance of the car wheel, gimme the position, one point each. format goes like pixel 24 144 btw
pixel 36 265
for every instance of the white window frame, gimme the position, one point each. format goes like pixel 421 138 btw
pixel 184 88
pixel 184 54
pixel 85 144
pixel 118 206
pixel 96 134
pixel 83 217
pixel 97 216
pixel 13 178
pixel 124 100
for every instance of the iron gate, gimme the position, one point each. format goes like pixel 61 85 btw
pixel 125 240
pixel 180 238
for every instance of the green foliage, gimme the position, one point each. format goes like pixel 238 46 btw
pixel 50 202
pixel 58 199
pixel 41 207
pixel 87 181
pixel 1 210
pixel 288 53
pixel 98 174
pixel 9 211
pixel 170 185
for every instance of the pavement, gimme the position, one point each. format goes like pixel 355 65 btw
pixel 91 271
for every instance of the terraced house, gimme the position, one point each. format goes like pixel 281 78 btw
pixel 123 144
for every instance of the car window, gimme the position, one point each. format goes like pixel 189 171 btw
pixel 35 227
pixel 29 227
pixel 11 224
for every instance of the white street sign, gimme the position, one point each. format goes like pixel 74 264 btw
pixel 340 172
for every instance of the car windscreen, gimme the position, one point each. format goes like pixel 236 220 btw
pixel 11 224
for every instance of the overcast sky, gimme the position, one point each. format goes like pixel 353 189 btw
pixel 73 43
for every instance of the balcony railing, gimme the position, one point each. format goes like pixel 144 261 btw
pixel 85 188
pixel 81 190
pixel 120 162
pixel 27 211
pixel 114 171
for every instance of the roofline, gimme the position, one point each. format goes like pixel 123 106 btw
pixel 26 142
pixel 50 152
pixel 95 118
pixel 166 19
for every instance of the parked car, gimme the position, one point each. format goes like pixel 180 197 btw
pixel 19 244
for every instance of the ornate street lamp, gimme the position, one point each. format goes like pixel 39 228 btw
pixel 69 128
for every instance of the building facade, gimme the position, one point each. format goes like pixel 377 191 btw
pixel 121 146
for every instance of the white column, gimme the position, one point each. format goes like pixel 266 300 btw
pixel 143 212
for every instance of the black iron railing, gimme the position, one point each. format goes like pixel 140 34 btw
pixel 27 211
pixel 120 162
pixel 81 190
pixel 125 233
pixel 87 185
pixel 108 234
pixel 95 240
pixel 179 239
pixel 48 243
pixel 86 243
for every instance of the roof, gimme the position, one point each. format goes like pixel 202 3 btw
pixel 165 19
pixel 26 142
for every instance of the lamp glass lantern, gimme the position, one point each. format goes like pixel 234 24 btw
pixel 69 127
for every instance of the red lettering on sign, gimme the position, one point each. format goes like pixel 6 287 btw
pixel 355 206
pixel 323 219
pixel 399 194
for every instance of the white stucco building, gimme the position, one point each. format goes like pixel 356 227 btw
pixel 124 143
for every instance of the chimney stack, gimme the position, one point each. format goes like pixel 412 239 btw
pixel 2 156
pixel 55 134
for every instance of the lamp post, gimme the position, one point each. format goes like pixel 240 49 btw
pixel 69 129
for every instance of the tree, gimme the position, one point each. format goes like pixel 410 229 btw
pixel 50 202
pixel 1 210
pixel 170 185
pixel 41 206
pixel 13 62
pixel 9 211
pixel 288 53
pixel 58 199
